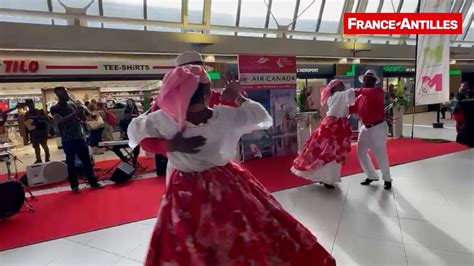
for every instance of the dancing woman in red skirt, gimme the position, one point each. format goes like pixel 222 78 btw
pixel 329 145
pixel 214 212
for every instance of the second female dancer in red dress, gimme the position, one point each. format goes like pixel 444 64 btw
pixel 329 145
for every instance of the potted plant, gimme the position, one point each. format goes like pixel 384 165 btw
pixel 397 105
pixel 307 117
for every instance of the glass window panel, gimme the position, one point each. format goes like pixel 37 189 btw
pixel 32 5
pixel 164 29
pixel 354 7
pixel 409 6
pixel 224 12
pixel 302 37
pixel 283 10
pixel 92 10
pixel 123 9
pixel 331 16
pixel 307 21
pixel 249 34
pixel 166 10
pixel 388 7
pixel 469 15
pixel 470 35
pixel 325 39
pixel 253 13
pixel 196 11
pixel 220 32
pixel 373 5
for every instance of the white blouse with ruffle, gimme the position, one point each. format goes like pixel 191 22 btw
pixel 222 132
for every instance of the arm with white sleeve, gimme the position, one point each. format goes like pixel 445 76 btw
pixel 154 125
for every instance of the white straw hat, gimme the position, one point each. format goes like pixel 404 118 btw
pixel 370 73
pixel 189 57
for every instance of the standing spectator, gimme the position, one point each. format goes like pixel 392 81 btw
pixel 38 124
pixel 95 125
pixel 109 120
pixel 132 108
pixel 68 117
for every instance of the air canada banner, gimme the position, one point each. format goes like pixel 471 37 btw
pixel 432 73
pixel 267 72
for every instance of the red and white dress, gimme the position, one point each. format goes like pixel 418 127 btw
pixel 214 212
pixel 328 146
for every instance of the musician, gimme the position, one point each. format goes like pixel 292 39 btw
pixel 124 123
pixel 38 126
pixel 68 117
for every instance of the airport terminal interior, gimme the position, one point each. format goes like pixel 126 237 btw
pixel 75 189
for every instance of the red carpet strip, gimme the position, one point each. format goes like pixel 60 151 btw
pixel 64 214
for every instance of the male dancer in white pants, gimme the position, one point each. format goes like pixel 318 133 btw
pixel 373 134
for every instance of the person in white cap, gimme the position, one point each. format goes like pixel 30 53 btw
pixel 373 135
pixel 189 58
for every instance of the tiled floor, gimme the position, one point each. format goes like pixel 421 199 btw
pixel 426 220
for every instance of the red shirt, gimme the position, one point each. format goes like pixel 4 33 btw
pixel 369 105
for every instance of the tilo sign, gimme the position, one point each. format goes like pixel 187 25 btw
pixel 34 67
pixel 19 66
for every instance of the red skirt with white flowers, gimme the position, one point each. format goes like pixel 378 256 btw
pixel 224 216
pixel 330 142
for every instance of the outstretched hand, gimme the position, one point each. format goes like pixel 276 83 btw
pixel 186 145
pixel 232 89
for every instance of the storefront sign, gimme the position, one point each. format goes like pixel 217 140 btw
pixel 315 71
pixel 267 72
pixel 432 75
pixel 397 69
pixel 52 68
pixel 20 66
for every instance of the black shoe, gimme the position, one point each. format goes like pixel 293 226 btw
pixel 367 182
pixel 47 160
pixel 328 186
pixel 387 185
pixel 76 190
pixel 97 185
pixel 37 161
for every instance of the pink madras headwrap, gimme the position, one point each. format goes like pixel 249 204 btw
pixel 179 85
pixel 326 91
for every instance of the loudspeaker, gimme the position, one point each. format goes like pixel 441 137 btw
pixel 122 173
pixel 45 173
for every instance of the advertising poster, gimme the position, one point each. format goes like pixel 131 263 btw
pixel 267 72
pixel 432 73
pixel 261 96
pixel 283 111
pixel 271 81
pixel 360 70
pixel 258 144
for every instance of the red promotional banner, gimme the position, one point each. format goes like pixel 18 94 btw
pixel 402 23
pixel 267 71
